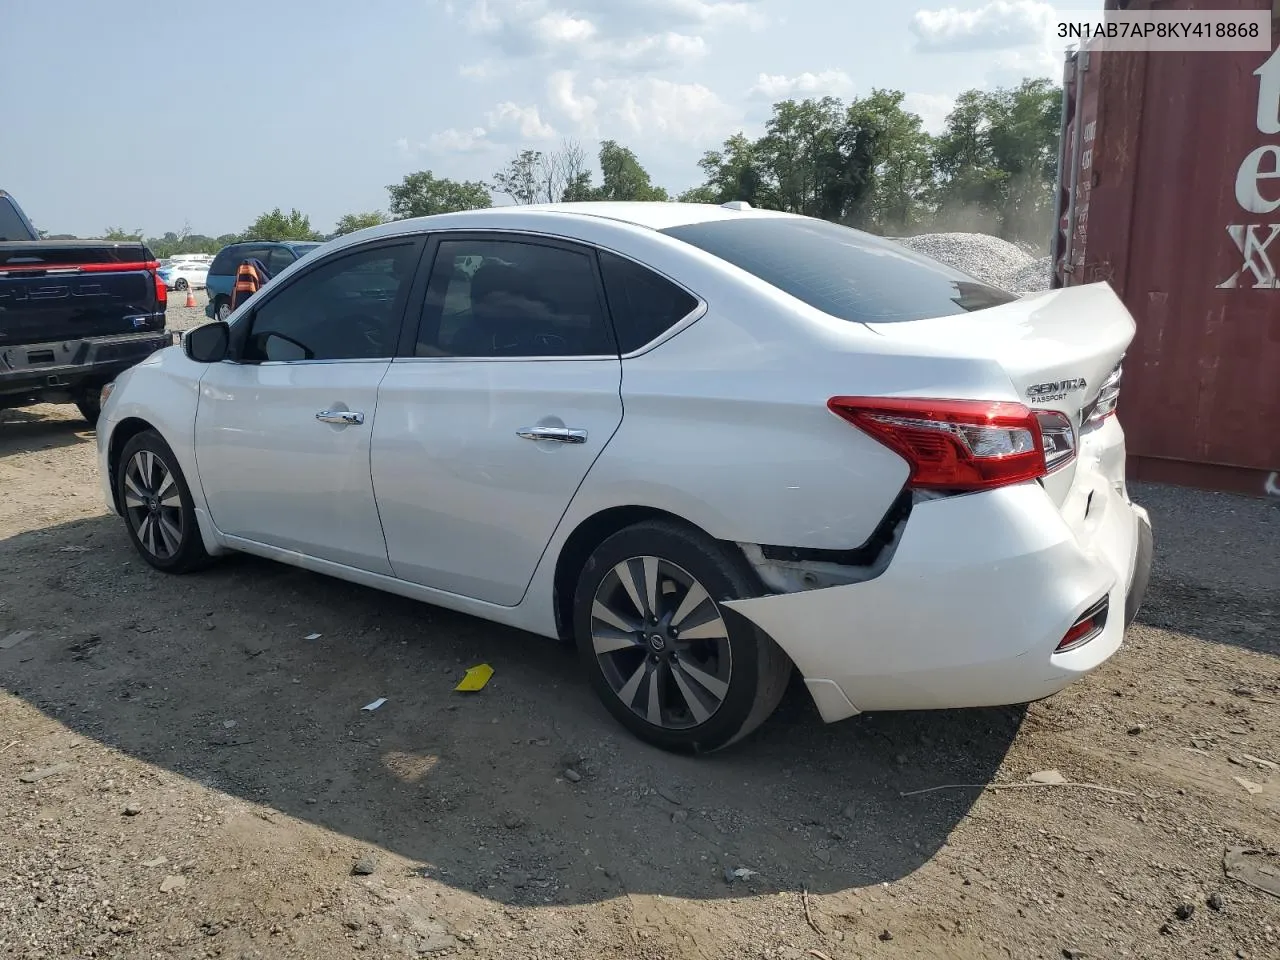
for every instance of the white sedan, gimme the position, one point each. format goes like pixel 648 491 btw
pixel 709 444
pixel 181 274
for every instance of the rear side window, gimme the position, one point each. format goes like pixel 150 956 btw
pixel 226 261
pixel 278 259
pixel 644 305
pixel 512 298
pixel 843 272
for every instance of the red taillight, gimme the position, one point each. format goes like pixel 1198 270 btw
pixel 956 444
pixel 162 292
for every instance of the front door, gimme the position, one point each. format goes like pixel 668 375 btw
pixel 283 430
pixel 486 432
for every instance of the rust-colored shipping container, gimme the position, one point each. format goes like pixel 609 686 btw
pixel 1171 192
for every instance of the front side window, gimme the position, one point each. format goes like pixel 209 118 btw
pixel 349 308
pixel 509 298
pixel 278 259
pixel 843 272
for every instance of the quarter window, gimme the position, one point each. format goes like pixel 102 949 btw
pixel 507 298
pixel 644 305
pixel 348 308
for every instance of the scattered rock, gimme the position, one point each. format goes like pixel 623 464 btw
pixel 35 776
pixel 850 812
pixel 1253 868
pixel 1136 729
pixel 513 822
pixel 364 867
pixel 667 795
pixel 157 862
pixel 1047 776
pixel 886 936
pixel 1215 902
pixel 680 816
pixel 823 854
pixel 172 882
pixel 1249 785
pixel 1185 911
pixel 1071 953
pixel 132 810
pixel 572 775
pixel 436 943
pixel 732 874
pixel 1264 764
pixel 1166 929
pixel 13 639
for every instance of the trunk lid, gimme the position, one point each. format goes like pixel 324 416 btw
pixel 1058 349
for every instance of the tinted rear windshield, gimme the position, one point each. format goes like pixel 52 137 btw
pixel 844 272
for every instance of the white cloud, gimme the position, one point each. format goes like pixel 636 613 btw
pixel 460 141
pixel 524 122
pixel 639 108
pixel 774 87
pixel 931 108
pixel 629 34
pixel 997 25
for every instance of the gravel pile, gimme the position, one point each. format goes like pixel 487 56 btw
pixel 1032 278
pixel 986 257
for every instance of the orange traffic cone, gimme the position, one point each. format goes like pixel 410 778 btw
pixel 191 297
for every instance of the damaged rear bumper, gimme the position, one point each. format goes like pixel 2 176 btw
pixel 970 610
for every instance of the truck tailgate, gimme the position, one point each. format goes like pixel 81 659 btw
pixel 52 291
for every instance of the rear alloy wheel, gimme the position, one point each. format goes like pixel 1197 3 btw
pixel 673 665
pixel 222 310
pixel 157 506
pixel 180 284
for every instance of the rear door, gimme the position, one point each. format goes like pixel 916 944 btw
pixel 508 394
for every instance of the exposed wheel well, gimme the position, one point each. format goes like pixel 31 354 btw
pixel 125 431
pixel 590 534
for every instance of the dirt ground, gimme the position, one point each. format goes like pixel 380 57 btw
pixel 217 791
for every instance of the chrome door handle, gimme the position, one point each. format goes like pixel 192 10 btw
pixel 340 416
pixel 558 434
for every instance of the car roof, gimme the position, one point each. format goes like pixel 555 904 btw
pixel 655 214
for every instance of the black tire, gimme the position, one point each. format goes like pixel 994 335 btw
pixel 758 668
pixel 222 310
pixel 180 553
pixel 180 284
pixel 89 403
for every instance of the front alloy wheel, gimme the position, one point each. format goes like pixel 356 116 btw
pixel 153 505
pixel 156 503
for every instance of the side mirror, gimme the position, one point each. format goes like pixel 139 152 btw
pixel 207 343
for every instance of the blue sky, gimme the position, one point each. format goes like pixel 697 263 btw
pixel 210 113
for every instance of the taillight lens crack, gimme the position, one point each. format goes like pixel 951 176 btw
pixel 964 445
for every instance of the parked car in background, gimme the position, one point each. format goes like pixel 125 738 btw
pixel 221 278
pixel 73 314
pixel 184 274
pixel 709 444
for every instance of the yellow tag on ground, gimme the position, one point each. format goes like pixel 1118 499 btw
pixel 475 679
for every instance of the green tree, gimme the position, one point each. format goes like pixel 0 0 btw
pixel 622 176
pixel 278 225
pixel 120 235
pixel 422 194
pixel 997 159
pixel 522 178
pixel 734 172
pixel 351 222
pixel 901 174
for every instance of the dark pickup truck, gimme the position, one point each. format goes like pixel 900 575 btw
pixel 74 314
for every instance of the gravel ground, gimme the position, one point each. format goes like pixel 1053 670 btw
pixel 184 775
